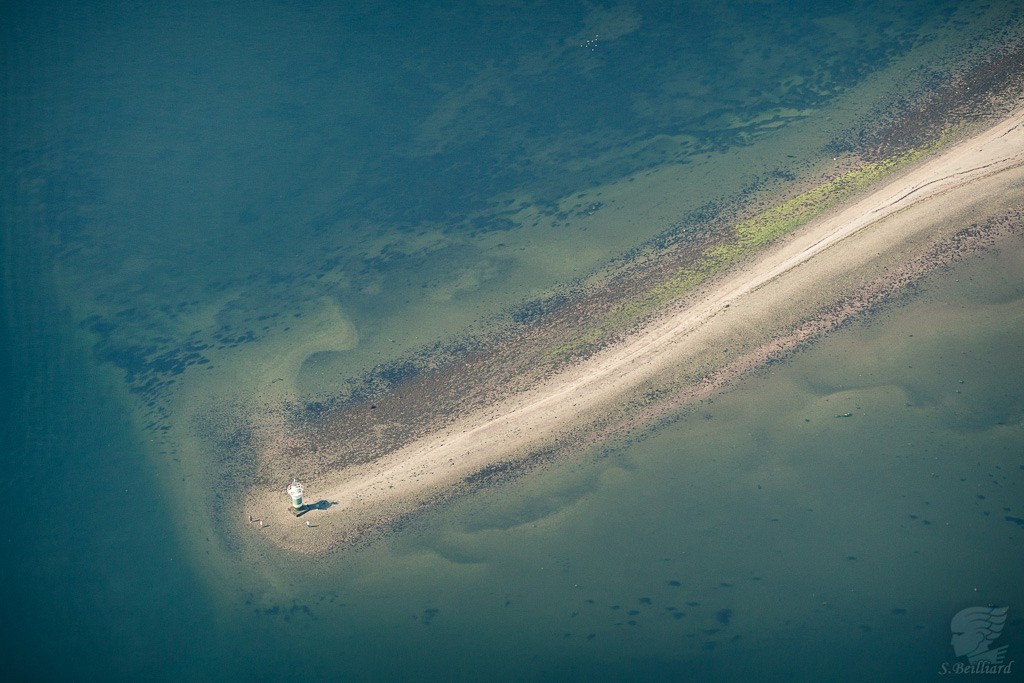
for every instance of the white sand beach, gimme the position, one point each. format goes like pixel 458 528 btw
pixel 819 264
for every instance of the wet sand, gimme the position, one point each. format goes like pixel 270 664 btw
pixel 809 282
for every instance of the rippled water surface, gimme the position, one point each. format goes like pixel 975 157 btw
pixel 207 202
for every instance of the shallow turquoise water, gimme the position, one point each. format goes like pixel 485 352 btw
pixel 757 533
pixel 198 198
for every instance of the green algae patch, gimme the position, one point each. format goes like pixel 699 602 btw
pixel 745 238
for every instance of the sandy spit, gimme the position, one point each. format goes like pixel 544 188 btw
pixel 766 299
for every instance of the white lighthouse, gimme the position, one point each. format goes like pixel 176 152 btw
pixel 295 491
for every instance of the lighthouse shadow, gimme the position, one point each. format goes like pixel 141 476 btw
pixel 321 504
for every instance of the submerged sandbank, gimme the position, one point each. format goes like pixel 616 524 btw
pixel 774 300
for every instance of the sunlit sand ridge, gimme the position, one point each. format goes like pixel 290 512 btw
pixel 810 265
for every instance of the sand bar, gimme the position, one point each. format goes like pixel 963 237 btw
pixel 812 261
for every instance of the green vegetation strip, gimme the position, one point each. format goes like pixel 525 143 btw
pixel 747 237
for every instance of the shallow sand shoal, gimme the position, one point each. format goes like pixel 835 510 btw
pixel 766 297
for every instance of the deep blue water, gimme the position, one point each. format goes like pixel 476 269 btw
pixel 193 190
pixel 87 592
